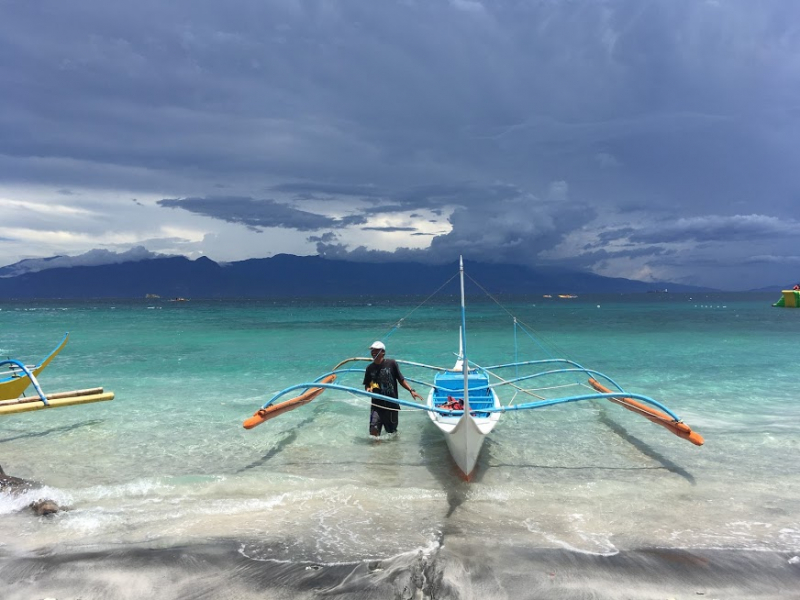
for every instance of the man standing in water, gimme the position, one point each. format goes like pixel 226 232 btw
pixel 382 376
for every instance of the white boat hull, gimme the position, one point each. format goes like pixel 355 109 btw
pixel 464 435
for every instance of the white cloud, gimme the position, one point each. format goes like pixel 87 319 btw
pixel 606 160
pixel 88 259
pixel 472 6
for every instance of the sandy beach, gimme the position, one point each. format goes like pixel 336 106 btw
pixel 459 570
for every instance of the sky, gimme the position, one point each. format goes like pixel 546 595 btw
pixel 648 139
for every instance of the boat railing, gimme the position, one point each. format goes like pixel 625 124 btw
pixel 527 363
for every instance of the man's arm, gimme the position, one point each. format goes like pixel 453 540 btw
pixel 414 393
pixel 402 381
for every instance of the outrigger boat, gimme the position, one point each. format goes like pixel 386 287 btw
pixel 463 401
pixel 21 376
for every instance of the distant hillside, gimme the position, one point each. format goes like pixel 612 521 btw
pixel 774 288
pixel 287 276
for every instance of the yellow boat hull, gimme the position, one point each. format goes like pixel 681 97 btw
pixel 13 387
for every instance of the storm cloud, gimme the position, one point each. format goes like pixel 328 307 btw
pixel 639 138
pixel 258 214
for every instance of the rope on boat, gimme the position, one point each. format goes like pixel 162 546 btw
pixel 513 385
pixel 524 326
pixel 420 305
pixel 558 387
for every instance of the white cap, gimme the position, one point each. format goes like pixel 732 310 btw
pixel 377 346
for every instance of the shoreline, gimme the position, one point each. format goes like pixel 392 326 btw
pixel 458 570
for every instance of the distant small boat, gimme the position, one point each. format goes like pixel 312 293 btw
pixel 567 296
pixel 547 296
pixel 179 300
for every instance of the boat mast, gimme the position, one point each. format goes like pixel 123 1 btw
pixel 465 362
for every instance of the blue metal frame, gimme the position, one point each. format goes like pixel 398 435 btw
pixel 27 373
pixel 501 409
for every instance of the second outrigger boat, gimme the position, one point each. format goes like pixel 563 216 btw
pixel 21 376
pixel 463 401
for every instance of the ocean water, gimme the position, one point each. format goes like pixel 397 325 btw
pixel 167 464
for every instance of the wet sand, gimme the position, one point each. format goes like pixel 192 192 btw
pixel 458 570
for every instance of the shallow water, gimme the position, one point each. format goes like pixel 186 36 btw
pixel 168 462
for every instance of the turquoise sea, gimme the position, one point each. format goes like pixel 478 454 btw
pixel 169 497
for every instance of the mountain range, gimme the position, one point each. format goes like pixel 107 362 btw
pixel 286 275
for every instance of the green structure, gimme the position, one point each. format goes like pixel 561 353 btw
pixel 790 299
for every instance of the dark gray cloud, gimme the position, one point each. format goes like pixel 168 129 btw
pixel 714 228
pixel 390 229
pixel 610 135
pixel 326 238
pixel 314 189
pixel 364 254
pixel 258 214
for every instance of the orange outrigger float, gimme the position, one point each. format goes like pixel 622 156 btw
pixel 270 412
pixel 677 427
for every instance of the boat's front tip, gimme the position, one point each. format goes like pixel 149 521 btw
pixel 258 417
pixel 464 477
pixel 693 437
